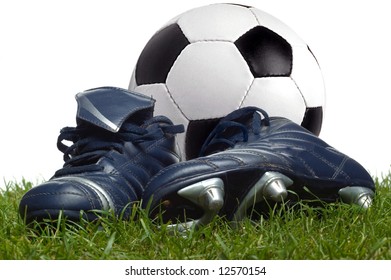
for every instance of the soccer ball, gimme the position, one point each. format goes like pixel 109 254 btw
pixel 212 60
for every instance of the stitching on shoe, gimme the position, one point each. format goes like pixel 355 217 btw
pixel 339 169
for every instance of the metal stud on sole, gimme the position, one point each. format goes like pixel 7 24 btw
pixel 271 186
pixel 360 196
pixel 209 195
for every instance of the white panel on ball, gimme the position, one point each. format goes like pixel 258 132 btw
pixel 278 96
pixel 217 23
pixel 207 74
pixel 308 77
pixel 164 104
pixel 132 82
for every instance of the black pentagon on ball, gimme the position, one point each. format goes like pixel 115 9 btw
pixel 313 119
pixel 266 53
pixel 196 133
pixel 159 54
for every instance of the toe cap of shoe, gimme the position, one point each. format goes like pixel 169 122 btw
pixel 48 199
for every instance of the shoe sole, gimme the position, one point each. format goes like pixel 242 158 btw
pixel 209 195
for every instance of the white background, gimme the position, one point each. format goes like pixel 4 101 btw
pixel 116 269
pixel 50 50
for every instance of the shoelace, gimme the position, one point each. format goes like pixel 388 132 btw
pixel 91 143
pixel 225 134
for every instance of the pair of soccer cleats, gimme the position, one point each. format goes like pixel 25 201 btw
pixel 122 155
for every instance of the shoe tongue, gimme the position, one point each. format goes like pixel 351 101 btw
pixel 237 126
pixel 109 107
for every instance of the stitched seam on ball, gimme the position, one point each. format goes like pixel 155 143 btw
pixel 175 104
pixel 301 94
pixel 247 91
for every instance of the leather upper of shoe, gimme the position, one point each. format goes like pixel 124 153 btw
pixel 117 147
pixel 244 140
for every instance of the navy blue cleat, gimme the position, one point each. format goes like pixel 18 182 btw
pixel 117 147
pixel 249 162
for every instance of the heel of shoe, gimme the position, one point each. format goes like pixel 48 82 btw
pixel 271 186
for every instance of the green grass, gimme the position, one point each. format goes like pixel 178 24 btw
pixel 337 231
